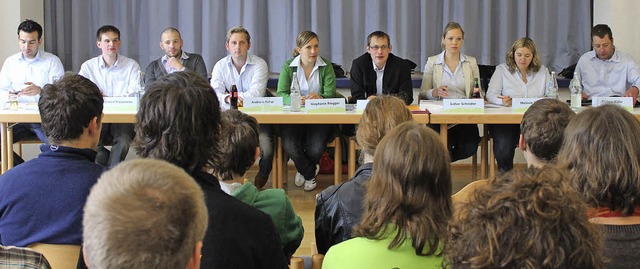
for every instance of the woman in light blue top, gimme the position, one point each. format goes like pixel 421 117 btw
pixel 305 143
pixel 522 76
pixel 406 206
pixel 450 74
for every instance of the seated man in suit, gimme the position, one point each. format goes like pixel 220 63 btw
pixel 174 59
pixel 144 214
pixel 379 72
pixel 41 200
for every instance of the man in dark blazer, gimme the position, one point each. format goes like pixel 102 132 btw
pixel 378 72
pixel 175 59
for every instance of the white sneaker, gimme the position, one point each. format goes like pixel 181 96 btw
pixel 310 185
pixel 299 180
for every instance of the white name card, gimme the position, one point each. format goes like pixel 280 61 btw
pixel 121 104
pixel 361 105
pixel 262 104
pixel 624 102
pixel 330 105
pixel 463 105
pixel 522 104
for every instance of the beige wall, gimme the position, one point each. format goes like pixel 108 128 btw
pixel 13 12
pixel 621 16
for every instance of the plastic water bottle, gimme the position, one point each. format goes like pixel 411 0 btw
pixel 294 93
pixel 552 86
pixel 576 91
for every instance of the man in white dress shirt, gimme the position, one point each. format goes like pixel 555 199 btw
pixel 25 73
pixel 115 75
pixel 250 74
pixel 605 71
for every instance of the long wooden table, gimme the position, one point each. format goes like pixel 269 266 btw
pixel 9 118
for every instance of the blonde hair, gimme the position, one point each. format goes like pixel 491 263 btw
pixel 143 213
pixel 382 114
pixel 528 43
pixel 302 39
pixel 238 30
pixel 410 188
pixel 450 26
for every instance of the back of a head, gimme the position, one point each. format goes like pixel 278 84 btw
pixel 543 127
pixel 602 152
pixel 525 219
pixel 410 188
pixel 237 144
pixel 179 121
pixel 382 114
pixel 143 214
pixel 68 106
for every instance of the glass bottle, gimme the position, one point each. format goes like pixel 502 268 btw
pixel 233 97
pixel 552 86
pixel 576 91
pixel 476 89
pixel 294 93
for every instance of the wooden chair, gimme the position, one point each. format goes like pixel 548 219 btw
pixel 59 256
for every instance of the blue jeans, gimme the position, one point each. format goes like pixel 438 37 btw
pixel 505 141
pixel 266 150
pixel 304 144
pixel 120 136
pixel 22 131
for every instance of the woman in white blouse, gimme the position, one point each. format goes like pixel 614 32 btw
pixel 450 74
pixel 522 76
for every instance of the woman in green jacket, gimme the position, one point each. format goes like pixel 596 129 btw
pixel 305 143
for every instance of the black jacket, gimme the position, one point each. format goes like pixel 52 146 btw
pixel 339 208
pixel 396 80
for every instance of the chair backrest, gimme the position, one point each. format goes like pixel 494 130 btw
pixel 59 256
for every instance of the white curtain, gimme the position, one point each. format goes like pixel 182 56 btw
pixel 560 28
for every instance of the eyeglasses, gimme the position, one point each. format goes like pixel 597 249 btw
pixel 383 47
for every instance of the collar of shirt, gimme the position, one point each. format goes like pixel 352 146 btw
pixel 249 61
pixel 440 59
pixel 313 83
pixel 296 62
pixel 614 58
pixel 36 58
pixel 183 57
pixel 375 68
pixel 102 64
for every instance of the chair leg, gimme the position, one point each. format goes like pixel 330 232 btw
pixel 277 183
pixel 474 167
pixel 484 151
pixel 492 162
pixel 352 157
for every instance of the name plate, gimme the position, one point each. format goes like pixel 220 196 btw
pixel 624 102
pixel 121 104
pixel 361 105
pixel 262 104
pixel 522 104
pixel 463 105
pixel 331 105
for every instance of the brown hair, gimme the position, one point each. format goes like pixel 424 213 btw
pixel 601 30
pixel 239 30
pixel 525 219
pixel 303 38
pixel 378 34
pixel 523 42
pixel 410 188
pixel 601 150
pixel 543 127
pixel 382 114
pixel 237 144
pixel 179 121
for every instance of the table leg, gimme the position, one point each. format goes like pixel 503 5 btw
pixel 5 149
pixel 9 147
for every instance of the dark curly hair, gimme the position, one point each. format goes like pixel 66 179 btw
pixel 179 121
pixel 525 219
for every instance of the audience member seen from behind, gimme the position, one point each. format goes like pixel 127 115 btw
pixel 525 219
pixel 305 143
pixel 249 73
pixel 41 200
pixel 25 73
pixel 601 152
pixel 522 76
pixel 451 74
pixel 622 72
pixel 239 149
pixel 115 75
pixel 406 207
pixel 339 208
pixel 542 131
pixel 379 72
pixel 238 235
pixel 144 214
pixel 174 59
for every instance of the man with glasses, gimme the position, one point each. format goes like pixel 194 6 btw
pixel 379 72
